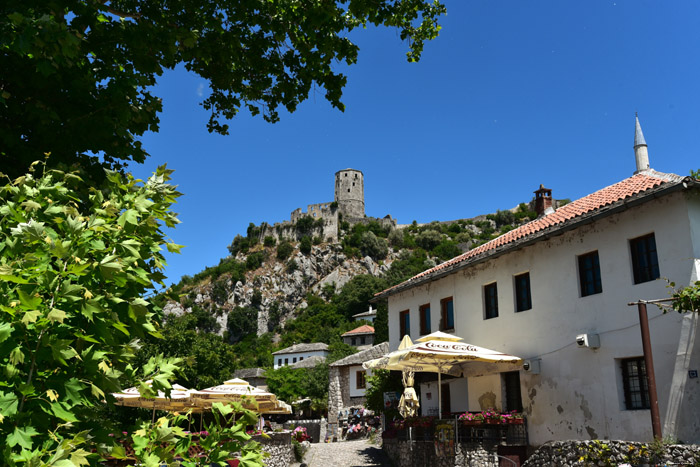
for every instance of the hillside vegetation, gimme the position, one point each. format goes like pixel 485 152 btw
pixel 269 294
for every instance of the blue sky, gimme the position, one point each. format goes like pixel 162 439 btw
pixel 511 95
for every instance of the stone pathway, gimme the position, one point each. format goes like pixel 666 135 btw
pixel 358 453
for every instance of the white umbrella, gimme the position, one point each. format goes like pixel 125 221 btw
pixel 443 353
pixel 178 400
pixel 237 390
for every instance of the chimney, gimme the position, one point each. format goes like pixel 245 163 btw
pixel 543 201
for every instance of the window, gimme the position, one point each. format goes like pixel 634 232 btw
pixel 353 341
pixel 301 358
pixel 424 313
pixel 589 274
pixel 404 324
pixel 490 301
pixel 511 381
pixel 279 362
pixel 645 264
pixel 634 382
pixel 447 314
pixel 362 340
pixel 360 382
pixel 286 361
pixel 523 299
pixel 294 360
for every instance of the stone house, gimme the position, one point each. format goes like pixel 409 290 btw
pixel 361 337
pixel 555 292
pixel 348 382
pixel 255 376
pixel 299 352
pixel 368 315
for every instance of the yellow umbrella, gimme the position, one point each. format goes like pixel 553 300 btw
pixel 440 353
pixel 238 390
pixel 179 399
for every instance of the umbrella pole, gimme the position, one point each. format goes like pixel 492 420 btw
pixel 439 394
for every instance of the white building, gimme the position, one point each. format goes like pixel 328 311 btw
pixel 573 271
pixel 299 352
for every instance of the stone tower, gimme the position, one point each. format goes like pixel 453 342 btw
pixel 641 154
pixel 350 192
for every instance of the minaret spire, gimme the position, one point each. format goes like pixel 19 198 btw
pixel 641 153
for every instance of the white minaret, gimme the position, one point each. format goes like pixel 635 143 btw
pixel 641 154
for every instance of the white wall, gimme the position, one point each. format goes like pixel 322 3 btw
pixel 298 355
pixel 354 391
pixel 458 396
pixel 578 393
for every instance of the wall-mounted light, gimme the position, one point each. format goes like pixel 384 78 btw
pixel 591 341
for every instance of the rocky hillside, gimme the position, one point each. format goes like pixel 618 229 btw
pixel 266 281
pixel 275 289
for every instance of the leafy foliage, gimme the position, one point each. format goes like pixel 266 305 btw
pixel 284 250
pixel 379 382
pixel 75 262
pixel 85 70
pixel 241 322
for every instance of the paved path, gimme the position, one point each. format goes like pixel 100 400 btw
pixel 357 453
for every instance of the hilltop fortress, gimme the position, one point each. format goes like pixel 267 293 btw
pixel 347 206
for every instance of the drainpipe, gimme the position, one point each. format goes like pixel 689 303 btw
pixel 649 364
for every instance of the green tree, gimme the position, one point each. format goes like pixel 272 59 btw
pixel 305 244
pixel 284 250
pixel 355 296
pixel 241 322
pixel 83 71
pixel 75 263
pixel 372 246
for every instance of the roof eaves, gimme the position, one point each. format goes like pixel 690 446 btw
pixel 548 232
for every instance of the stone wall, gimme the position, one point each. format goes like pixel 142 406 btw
pixel 581 453
pixel 338 392
pixel 316 429
pixel 422 453
pixel 279 446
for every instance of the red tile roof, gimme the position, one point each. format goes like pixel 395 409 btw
pixel 364 329
pixel 601 198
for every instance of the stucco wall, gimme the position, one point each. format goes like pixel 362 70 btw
pixel 291 356
pixel 458 396
pixel 579 393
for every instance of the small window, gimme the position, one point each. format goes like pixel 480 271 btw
pixel 286 361
pixel 404 324
pixel 353 341
pixel 589 274
pixel 348 190
pixel 645 264
pixel 424 313
pixel 362 340
pixel 490 301
pixel 294 360
pixel 447 314
pixel 279 362
pixel 301 358
pixel 360 380
pixel 634 382
pixel 523 299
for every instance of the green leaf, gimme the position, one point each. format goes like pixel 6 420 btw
pixel 89 308
pixel 5 331
pixel 174 248
pixel 15 279
pixel 30 317
pixel 16 356
pixel 27 301
pixel 59 409
pixel 22 436
pixel 8 405
pixel 57 315
pixel 129 216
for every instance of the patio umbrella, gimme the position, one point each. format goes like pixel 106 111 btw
pixel 238 390
pixel 179 399
pixel 443 353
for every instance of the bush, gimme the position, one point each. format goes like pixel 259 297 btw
pixel 269 241
pixel 429 239
pixel 292 266
pixel 284 250
pixel 305 244
pixel 239 244
pixel 255 260
pixel 396 238
pixel 375 248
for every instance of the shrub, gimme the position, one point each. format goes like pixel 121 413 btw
pixel 396 238
pixel 284 250
pixel 305 244
pixel 429 239
pixel 255 260
pixel 292 266
pixel 375 248
pixel 269 241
